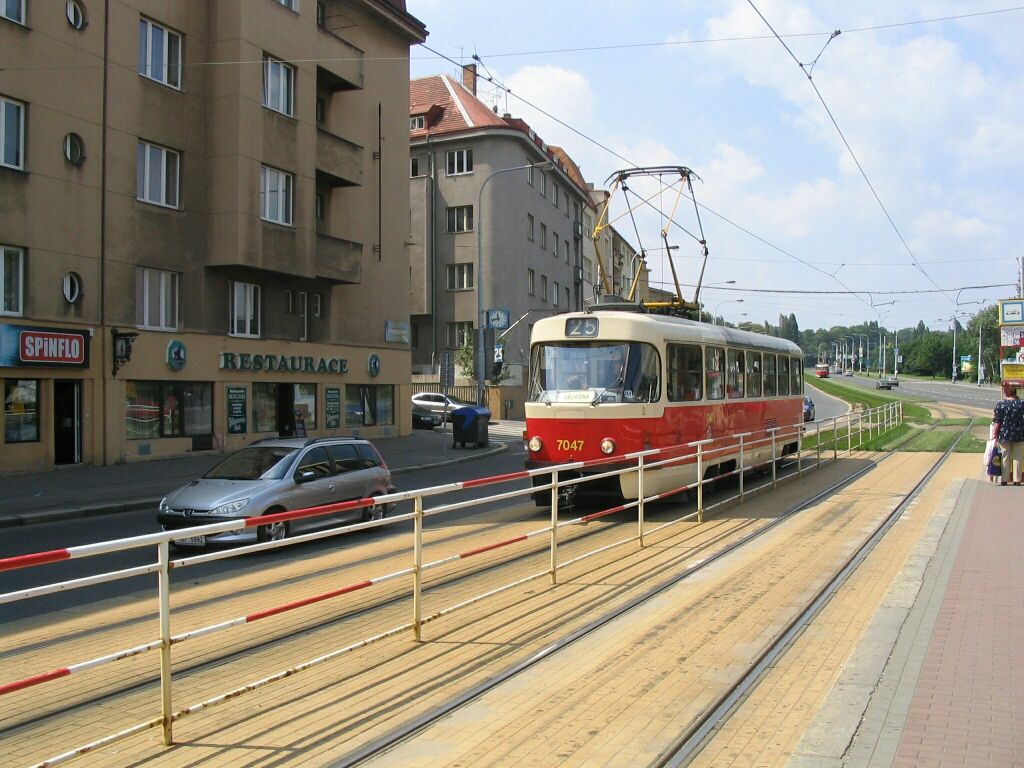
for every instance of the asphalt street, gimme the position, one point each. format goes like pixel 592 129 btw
pixel 942 391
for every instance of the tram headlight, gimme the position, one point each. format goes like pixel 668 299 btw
pixel 535 444
pixel 607 446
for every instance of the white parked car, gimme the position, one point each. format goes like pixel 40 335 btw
pixel 435 402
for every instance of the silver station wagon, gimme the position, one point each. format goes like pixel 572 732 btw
pixel 278 475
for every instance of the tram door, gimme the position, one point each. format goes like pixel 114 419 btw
pixel 67 422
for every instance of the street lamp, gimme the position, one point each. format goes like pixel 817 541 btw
pixel 714 317
pixel 481 363
pixel 864 350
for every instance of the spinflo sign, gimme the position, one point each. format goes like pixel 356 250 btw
pixel 45 347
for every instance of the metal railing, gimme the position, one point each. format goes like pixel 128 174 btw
pixel 706 458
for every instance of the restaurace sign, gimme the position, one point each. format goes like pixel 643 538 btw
pixel 242 361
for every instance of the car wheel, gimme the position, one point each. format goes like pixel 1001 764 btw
pixel 376 512
pixel 274 531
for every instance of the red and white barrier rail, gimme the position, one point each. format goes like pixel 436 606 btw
pixel 697 452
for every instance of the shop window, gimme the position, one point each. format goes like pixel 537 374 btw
pixel 369 405
pixel 155 409
pixel 21 411
pixel 264 407
pixel 288 409
pixel 305 405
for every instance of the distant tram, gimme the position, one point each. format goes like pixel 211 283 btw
pixel 609 382
pixel 821 370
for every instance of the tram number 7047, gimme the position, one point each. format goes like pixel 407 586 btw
pixel 570 445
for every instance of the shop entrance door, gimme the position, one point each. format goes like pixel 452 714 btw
pixel 67 422
pixel 285 410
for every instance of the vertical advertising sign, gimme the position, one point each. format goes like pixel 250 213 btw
pixel 332 405
pixel 237 410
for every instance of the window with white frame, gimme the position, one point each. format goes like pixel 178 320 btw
pixel 460 277
pixel 278 85
pixel 13 10
pixel 156 299
pixel 565 247
pixel 543 184
pixel 318 305
pixel 555 237
pixel 588 270
pixel 417 166
pixel 529 175
pixel 12 132
pixel 459 334
pixel 555 292
pixel 417 122
pixel 12 279
pixel 276 190
pixel 555 191
pixel 544 288
pixel 530 281
pixel 543 235
pixel 529 226
pixel 567 305
pixel 157 174
pixel 458 161
pixel 460 218
pixel 291 5
pixel 159 53
pixel 245 310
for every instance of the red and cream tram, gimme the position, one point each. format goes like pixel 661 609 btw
pixel 606 383
pixel 821 370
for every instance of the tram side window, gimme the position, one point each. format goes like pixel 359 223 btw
pixel 685 372
pixel 783 375
pixel 797 375
pixel 714 373
pixel 734 373
pixel 769 376
pixel 753 374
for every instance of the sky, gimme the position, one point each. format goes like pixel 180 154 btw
pixel 932 108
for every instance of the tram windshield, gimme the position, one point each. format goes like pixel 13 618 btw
pixel 594 372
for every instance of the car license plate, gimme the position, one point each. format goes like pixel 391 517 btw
pixel 191 541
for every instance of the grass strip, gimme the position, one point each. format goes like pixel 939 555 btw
pixel 932 441
pixel 969 444
pixel 869 399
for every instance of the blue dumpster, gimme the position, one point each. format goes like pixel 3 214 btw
pixel 469 425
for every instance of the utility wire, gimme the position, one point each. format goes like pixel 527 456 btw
pixel 849 149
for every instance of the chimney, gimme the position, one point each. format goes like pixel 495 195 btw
pixel 469 78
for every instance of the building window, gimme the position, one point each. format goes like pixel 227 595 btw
pixel 459 161
pixel 369 405
pixel 275 195
pixel 278 85
pixel 460 334
pixel 12 133
pixel 289 301
pixel 75 13
pixel 460 218
pixel 319 207
pixel 159 53
pixel 21 410
pixel 565 243
pixel 543 184
pixel 543 235
pixel 318 308
pixel 13 10
pixel 417 166
pixel 155 409
pixel 567 305
pixel 555 237
pixel 544 288
pixel 529 281
pixel 321 110
pixel 303 316
pixel 291 5
pixel 417 122
pixel 588 270
pixel 74 149
pixel 12 279
pixel 460 277
pixel 529 226
pixel 245 310
pixel 554 195
pixel 156 299
pixel 157 175
pixel 554 294
pixel 321 15
pixel 529 175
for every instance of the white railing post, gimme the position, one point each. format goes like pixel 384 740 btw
pixel 860 430
pixel 554 527
pixel 899 407
pixel 700 483
pixel 849 432
pixel 773 430
pixel 799 450
pixel 164 581
pixel 741 468
pixel 640 501
pixel 817 446
pixel 835 438
pixel 417 569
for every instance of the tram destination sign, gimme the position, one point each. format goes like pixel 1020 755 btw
pixel 23 345
pixel 243 361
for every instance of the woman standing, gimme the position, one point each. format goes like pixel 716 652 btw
pixel 1008 418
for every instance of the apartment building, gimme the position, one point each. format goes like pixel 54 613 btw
pixel 203 216
pixel 495 210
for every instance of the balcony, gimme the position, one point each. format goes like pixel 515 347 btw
pixel 338 260
pixel 340 65
pixel 338 160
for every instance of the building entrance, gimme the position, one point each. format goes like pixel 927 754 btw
pixel 67 422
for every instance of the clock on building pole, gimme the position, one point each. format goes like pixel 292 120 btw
pixel 497 318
